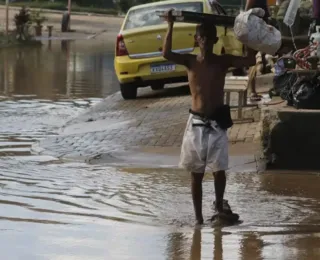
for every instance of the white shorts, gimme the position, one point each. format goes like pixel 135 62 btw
pixel 204 146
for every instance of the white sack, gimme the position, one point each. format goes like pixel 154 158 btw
pixel 253 31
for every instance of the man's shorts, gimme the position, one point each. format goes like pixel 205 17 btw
pixel 204 146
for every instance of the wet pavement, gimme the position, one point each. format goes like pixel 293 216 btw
pixel 52 209
pixel 121 125
pixel 77 211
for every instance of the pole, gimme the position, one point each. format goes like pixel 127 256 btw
pixel 69 6
pixel 69 12
pixel 7 17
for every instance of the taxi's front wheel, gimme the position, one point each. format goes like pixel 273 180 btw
pixel 128 91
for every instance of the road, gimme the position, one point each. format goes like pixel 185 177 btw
pixel 80 23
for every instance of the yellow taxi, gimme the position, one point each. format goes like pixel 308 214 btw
pixel 138 54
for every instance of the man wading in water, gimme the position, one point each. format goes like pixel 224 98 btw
pixel 205 140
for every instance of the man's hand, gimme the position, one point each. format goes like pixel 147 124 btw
pixel 169 17
pixel 182 59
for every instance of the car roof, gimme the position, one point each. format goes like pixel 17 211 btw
pixel 166 2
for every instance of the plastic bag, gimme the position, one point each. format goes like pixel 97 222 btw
pixel 282 85
pixel 288 91
pixel 254 32
pixel 279 67
pixel 307 94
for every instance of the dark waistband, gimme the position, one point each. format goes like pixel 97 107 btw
pixel 203 116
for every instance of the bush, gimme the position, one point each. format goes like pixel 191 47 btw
pixel 37 18
pixel 124 5
pixel 94 10
pixel 22 21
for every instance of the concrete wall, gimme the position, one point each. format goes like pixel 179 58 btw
pixel 290 138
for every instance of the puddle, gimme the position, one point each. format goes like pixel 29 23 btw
pixel 58 69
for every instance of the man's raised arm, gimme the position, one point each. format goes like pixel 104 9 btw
pixel 249 4
pixel 182 59
pixel 241 61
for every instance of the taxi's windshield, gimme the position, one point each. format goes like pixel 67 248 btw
pixel 146 16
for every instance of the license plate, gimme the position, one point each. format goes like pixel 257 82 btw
pixel 163 68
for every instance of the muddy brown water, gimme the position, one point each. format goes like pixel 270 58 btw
pixel 72 210
pixel 60 69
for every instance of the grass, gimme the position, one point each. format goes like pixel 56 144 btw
pixel 63 7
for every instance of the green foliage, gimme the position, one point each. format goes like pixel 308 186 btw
pixel 22 21
pixel 95 3
pixel 38 18
pixel 23 17
pixel 124 5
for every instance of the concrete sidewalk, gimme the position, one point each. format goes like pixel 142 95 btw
pixel 156 119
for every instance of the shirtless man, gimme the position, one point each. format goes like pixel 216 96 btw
pixel 205 143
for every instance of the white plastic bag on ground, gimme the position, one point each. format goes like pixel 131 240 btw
pixel 253 31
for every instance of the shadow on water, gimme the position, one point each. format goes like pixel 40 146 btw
pixel 58 69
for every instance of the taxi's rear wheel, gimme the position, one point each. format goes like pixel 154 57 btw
pixel 128 91
pixel 157 86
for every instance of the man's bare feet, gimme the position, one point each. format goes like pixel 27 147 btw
pixel 255 97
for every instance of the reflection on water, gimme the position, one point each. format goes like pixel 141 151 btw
pixel 79 211
pixel 65 69
pixel 71 210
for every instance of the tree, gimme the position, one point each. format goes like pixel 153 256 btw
pixel 22 21
pixel 124 5
pixel 96 3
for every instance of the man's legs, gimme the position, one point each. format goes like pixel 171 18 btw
pixel 253 92
pixel 196 190
pixel 264 63
pixel 219 186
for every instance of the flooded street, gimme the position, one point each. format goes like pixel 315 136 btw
pixel 71 210
pixel 59 70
